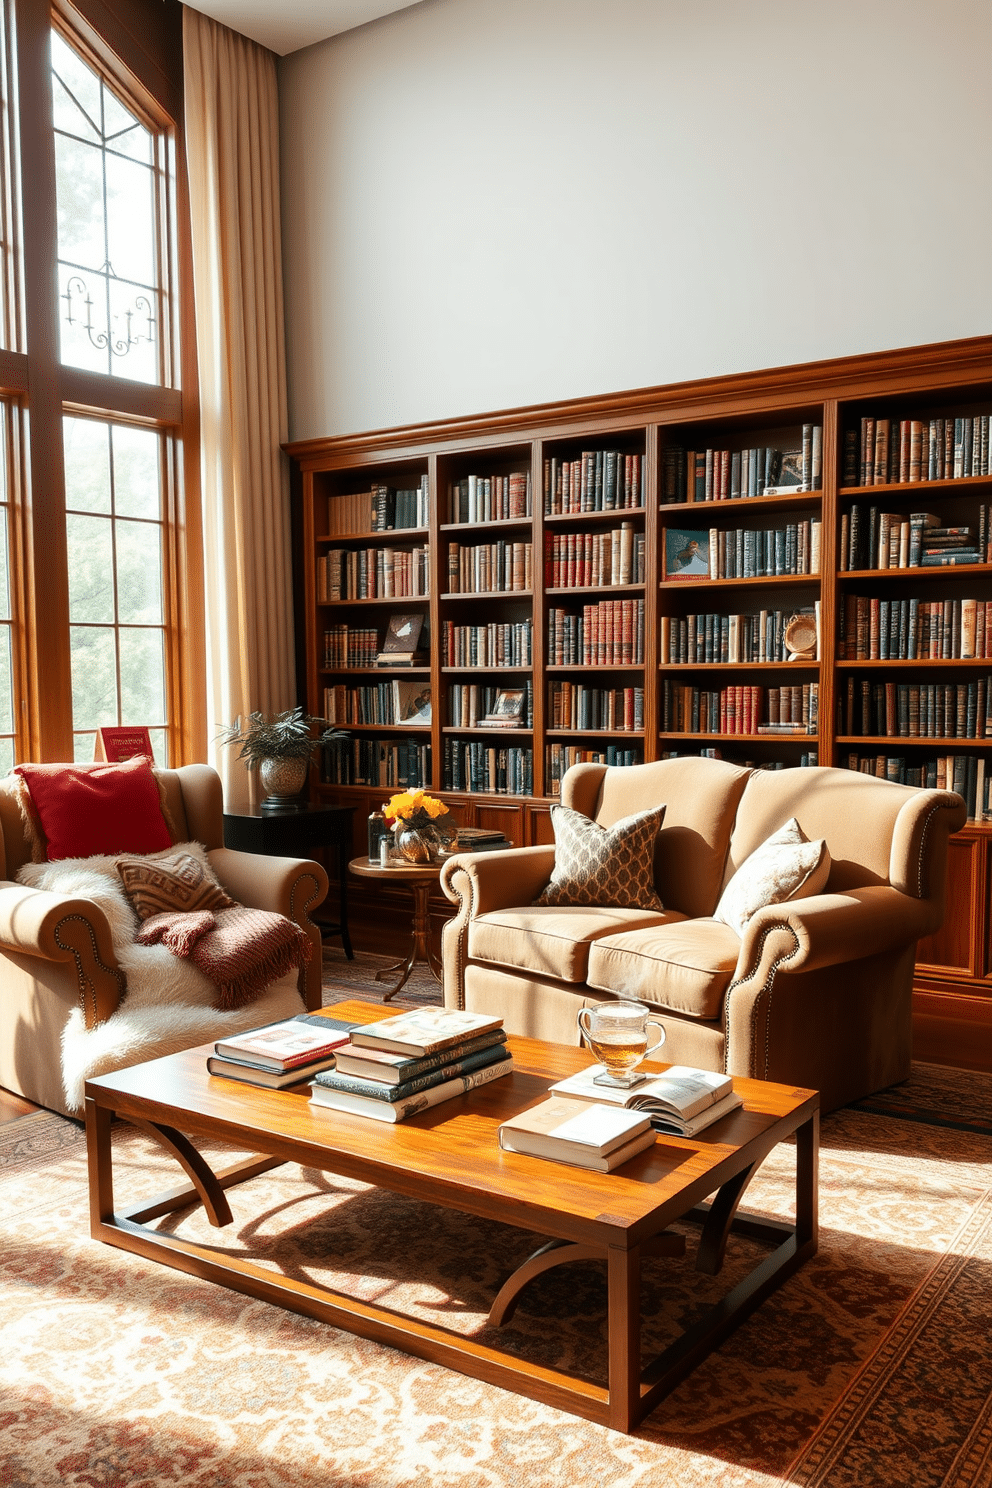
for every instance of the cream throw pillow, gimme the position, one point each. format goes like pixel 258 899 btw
pixel 786 866
pixel 609 866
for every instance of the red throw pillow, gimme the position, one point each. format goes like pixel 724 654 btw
pixel 89 809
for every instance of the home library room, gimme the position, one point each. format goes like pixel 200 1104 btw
pixel 783 568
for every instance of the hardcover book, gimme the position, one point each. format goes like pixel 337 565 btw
pixel 424 1030
pixel 268 1079
pixel 403 633
pixel 287 1044
pixel 378 1089
pixel 322 1099
pixel 390 1068
pixel 584 1134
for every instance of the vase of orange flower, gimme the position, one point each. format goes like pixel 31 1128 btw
pixel 420 833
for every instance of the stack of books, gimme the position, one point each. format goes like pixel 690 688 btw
pixel 584 1134
pixel 480 839
pixel 681 1102
pixel 407 1063
pixel 279 1054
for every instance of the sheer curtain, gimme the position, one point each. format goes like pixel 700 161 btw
pixel 232 139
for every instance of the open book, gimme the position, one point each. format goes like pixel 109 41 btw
pixel 682 1101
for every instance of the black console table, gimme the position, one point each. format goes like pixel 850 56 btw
pixel 292 834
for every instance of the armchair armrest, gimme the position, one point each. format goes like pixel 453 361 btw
pixel 61 927
pixel 479 883
pixel 289 886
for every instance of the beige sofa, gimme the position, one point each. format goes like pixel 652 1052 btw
pixel 56 952
pixel 816 993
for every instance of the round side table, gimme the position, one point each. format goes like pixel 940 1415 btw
pixel 420 878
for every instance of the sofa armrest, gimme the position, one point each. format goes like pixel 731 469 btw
pixel 293 887
pixel 828 929
pixel 61 927
pixel 479 883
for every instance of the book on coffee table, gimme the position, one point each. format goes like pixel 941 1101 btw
pixel 423 1030
pixel 681 1102
pixel 267 1079
pixel 582 1133
pixel 391 1068
pixel 287 1044
pixel 323 1099
pixel 336 1079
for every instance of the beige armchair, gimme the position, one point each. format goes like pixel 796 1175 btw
pixel 816 992
pixel 57 952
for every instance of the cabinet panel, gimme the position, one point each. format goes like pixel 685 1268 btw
pixel 959 945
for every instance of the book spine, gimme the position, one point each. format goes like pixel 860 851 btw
pixel 378 1090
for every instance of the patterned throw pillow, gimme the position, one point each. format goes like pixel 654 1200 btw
pixel 786 866
pixel 609 866
pixel 170 884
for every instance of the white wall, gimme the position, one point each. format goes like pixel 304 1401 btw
pixel 490 203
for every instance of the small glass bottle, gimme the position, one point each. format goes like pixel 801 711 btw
pixel 377 831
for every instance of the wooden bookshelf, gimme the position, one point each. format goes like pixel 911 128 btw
pixel 508 458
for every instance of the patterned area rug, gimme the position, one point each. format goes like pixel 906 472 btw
pixel 869 1369
pixel 343 978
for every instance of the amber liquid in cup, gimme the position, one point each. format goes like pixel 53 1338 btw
pixel 619 1051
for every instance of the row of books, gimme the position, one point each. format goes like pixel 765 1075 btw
pixel 347 646
pixel 744 552
pixel 382 509
pixel 373 573
pixel 561 757
pixel 807 758
pixel 400 700
pixel 755 637
pixel 875 629
pixel 490 568
pixel 910 710
pixel 737 474
pixel 472 704
pixel 490 498
pixel 400 764
pixel 889 451
pixel 586 560
pixel 491 769
pixel 500 643
pixel 572 705
pixel 610 633
pixel 965 773
pixel 599 480
pixel 873 539
pixel 740 709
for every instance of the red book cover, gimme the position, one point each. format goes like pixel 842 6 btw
pixel 118 744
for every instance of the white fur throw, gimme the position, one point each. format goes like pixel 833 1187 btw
pixel 168 1004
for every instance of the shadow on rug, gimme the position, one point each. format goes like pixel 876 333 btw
pixel 867 1370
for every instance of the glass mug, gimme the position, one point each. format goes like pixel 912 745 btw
pixel 617 1033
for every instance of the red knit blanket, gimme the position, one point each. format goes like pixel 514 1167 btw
pixel 241 950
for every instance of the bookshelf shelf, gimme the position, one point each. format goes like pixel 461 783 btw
pixel 535 466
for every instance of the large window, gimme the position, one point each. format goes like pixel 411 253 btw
pixel 115 530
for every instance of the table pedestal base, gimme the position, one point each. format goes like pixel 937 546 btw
pixel 420 945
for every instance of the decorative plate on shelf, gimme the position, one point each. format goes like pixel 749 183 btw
pixel 800 637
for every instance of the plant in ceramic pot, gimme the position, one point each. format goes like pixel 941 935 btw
pixel 282 748
pixel 419 829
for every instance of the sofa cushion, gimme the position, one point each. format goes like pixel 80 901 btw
pixel 786 866
pixel 86 810
pixel 682 965
pixel 551 940
pixel 604 866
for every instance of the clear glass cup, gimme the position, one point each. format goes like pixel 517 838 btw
pixel 617 1034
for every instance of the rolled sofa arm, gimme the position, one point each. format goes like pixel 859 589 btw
pixel 59 927
pixel 479 883
pixel 288 886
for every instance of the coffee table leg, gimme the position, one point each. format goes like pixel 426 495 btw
pixel 99 1164
pixel 624 1290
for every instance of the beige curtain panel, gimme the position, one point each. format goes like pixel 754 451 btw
pixel 232 136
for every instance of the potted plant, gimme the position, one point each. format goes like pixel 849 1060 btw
pixel 282 748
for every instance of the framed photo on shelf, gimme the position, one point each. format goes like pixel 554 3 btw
pixel 687 553
pixel 403 633
pixel 508 709
pixel 411 701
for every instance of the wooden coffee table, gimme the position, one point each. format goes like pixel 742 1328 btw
pixel 449 1155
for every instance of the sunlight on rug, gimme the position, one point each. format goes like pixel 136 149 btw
pixel 357 978
pixel 867 1370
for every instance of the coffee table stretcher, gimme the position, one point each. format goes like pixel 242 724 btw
pixel 631 1392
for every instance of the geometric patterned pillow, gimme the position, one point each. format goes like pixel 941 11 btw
pixel 786 866
pixel 170 884
pixel 610 866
